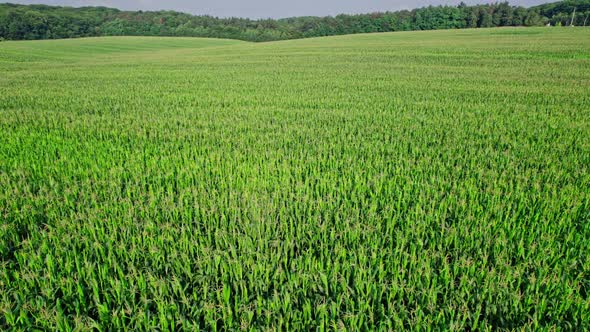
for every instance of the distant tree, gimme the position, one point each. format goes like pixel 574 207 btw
pixel 485 18
pixel 471 18
pixel 533 18
pixel 506 13
pixel 419 21
pixel 46 22
pixel 519 16
pixel 402 21
pixel 457 16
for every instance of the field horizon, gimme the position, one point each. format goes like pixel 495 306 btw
pixel 385 181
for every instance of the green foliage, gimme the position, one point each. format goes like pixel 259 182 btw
pixel 398 181
pixel 560 13
pixel 19 22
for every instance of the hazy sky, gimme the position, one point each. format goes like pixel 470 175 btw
pixel 267 8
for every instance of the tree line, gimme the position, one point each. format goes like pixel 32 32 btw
pixel 21 22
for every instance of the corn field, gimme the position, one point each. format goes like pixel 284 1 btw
pixel 399 181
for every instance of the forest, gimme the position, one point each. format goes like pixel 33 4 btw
pixel 28 22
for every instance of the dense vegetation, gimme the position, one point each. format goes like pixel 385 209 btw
pixel 47 22
pixel 415 180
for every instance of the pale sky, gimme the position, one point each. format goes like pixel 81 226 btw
pixel 267 8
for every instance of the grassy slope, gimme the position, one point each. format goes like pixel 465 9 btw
pixel 390 180
pixel 89 48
